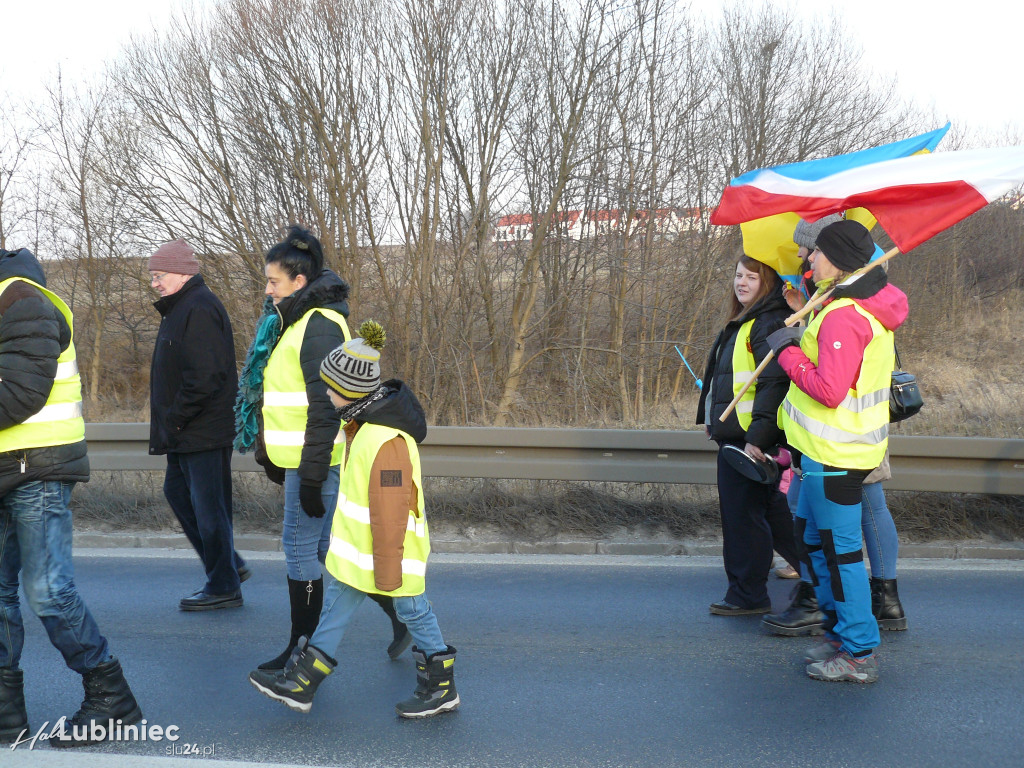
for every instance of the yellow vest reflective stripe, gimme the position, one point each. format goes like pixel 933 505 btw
pixel 855 433
pixel 59 421
pixel 743 365
pixel 350 557
pixel 284 395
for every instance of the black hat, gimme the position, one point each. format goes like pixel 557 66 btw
pixel 766 472
pixel 847 244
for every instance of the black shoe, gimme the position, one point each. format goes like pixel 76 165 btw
pixel 296 684
pixel 13 717
pixel 201 601
pixel 435 685
pixel 244 573
pixel 725 608
pixel 886 605
pixel 399 644
pixel 107 699
pixel 801 618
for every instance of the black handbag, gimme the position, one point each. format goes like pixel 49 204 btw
pixel 904 394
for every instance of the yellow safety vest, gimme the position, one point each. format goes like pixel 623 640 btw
pixel 743 365
pixel 284 395
pixel 350 557
pixel 855 434
pixel 60 421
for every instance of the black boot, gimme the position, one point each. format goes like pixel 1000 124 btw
pixel 306 599
pixel 107 699
pixel 13 717
pixel 435 685
pixel 885 604
pixel 296 684
pixel 801 618
pixel 401 638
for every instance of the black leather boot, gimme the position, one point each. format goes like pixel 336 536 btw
pixel 107 699
pixel 801 618
pixel 401 638
pixel 306 599
pixel 13 717
pixel 885 604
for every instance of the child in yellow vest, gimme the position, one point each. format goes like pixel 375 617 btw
pixel 379 539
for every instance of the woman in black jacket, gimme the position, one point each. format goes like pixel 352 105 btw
pixel 755 516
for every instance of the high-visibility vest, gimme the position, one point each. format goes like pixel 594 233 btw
pixel 284 395
pixel 854 434
pixel 743 365
pixel 59 421
pixel 350 557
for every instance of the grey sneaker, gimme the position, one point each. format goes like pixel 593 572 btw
pixel 844 667
pixel 823 651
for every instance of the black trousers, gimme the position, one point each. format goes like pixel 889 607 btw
pixel 755 520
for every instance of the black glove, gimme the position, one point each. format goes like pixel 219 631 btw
pixel 311 500
pixel 785 337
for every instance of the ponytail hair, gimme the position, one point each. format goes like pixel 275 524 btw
pixel 300 253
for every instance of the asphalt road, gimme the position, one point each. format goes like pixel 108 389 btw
pixel 563 661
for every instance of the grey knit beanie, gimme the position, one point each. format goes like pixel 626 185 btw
pixel 353 369
pixel 176 257
pixel 806 233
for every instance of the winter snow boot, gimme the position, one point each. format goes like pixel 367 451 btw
pixel 435 685
pixel 107 699
pixel 885 604
pixel 801 618
pixel 306 599
pixel 401 637
pixel 295 685
pixel 13 717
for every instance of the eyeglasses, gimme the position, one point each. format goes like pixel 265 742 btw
pixel 157 277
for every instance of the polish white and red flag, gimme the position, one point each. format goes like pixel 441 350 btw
pixel 913 197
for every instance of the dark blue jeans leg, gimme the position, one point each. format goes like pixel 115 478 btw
pixel 12 629
pixel 198 488
pixel 43 520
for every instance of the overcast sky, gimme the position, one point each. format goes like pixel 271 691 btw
pixel 962 60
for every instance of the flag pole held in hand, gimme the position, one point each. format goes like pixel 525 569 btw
pixel 810 306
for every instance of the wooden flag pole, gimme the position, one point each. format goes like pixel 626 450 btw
pixel 811 305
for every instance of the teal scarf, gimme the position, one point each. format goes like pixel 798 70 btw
pixel 250 382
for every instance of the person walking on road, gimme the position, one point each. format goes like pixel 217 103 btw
pixel 379 540
pixel 836 414
pixel 192 387
pixel 42 455
pixel 755 516
pixel 283 411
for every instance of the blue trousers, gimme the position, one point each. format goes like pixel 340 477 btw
pixel 831 509
pixel 341 601
pixel 35 541
pixel 197 487
pixel 305 539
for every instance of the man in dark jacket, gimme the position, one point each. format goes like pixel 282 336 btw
pixel 42 456
pixel 192 388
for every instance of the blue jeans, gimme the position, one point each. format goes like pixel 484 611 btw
pixel 35 540
pixel 876 524
pixel 305 539
pixel 197 487
pixel 341 601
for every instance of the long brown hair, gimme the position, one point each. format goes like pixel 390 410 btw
pixel 769 279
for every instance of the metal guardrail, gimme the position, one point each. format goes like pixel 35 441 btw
pixel 944 464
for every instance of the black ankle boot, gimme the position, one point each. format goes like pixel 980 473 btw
pixel 400 636
pixel 107 699
pixel 13 717
pixel 801 618
pixel 306 598
pixel 885 604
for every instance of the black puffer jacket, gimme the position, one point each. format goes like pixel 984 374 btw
pixel 192 379
pixel 772 385
pixel 399 410
pixel 328 291
pixel 33 334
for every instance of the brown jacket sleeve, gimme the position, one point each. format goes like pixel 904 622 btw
pixel 392 495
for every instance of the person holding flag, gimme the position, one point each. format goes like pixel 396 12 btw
pixel 755 516
pixel 836 414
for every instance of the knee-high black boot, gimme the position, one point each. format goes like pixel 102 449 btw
pixel 400 633
pixel 306 599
